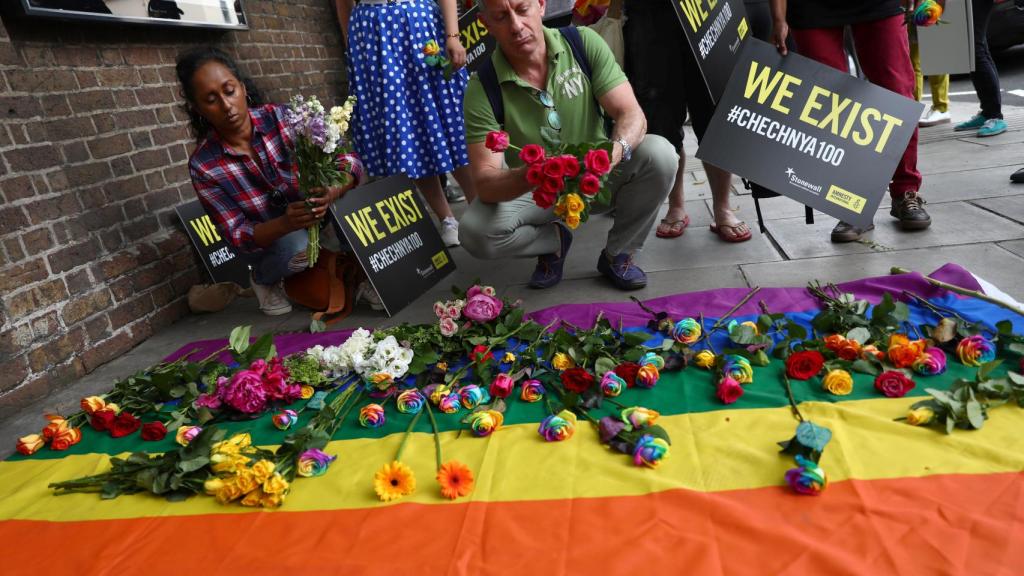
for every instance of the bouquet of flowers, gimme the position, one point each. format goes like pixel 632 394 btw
pixel 569 178
pixel 319 138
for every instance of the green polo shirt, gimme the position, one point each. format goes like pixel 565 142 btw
pixel 573 95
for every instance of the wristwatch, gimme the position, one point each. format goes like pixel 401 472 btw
pixel 627 150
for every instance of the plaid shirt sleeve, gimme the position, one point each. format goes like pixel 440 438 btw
pixel 222 208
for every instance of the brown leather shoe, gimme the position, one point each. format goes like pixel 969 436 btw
pixel 909 210
pixel 846 232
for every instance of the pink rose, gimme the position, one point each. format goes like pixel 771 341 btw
pixel 532 153
pixel 453 312
pixel 502 386
pixel 729 390
pixel 245 392
pixel 448 327
pixel 571 165
pixel 535 174
pixel 590 184
pixel 207 401
pixel 259 366
pixel 552 185
pixel 496 141
pixel 553 168
pixel 544 199
pixel 439 309
pixel 482 308
pixel 597 161
pixel 893 384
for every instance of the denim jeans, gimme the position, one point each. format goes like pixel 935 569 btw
pixel 270 265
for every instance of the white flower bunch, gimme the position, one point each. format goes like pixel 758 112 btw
pixel 389 357
pixel 351 356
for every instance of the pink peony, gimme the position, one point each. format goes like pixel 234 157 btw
pixel 259 366
pixel 210 401
pixel 482 308
pixel 244 392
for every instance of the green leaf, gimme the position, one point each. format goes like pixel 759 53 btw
pixel 813 436
pixel 743 334
pixel 987 368
pixel 975 414
pixel 1005 327
pixel 1016 378
pixel 239 339
pixel 1016 347
pixel 604 364
pixel 860 334
pixel 262 348
pixel 760 358
pixel 865 367
pixel 635 338
pixel 658 432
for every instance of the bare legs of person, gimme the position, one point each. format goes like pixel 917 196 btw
pixel 675 220
pixel 728 227
pixel 465 180
pixel 430 187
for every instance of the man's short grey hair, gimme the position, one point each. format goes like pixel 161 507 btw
pixel 480 5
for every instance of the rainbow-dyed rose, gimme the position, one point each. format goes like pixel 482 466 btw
pixel 647 376
pixel 807 478
pixel 372 416
pixel 313 462
pixel 927 13
pixel 975 350
pixel 932 362
pixel 738 368
pixel 704 359
pixel 485 422
pixel 439 394
pixel 639 417
pixel 410 401
pixel 653 359
pixel 185 434
pixel 450 404
pixel 612 384
pixel 650 451
pixel 285 419
pixel 686 331
pixel 472 396
pixel 531 391
pixel 558 427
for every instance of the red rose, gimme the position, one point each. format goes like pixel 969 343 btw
pixel 544 199
pixel 627 371
pixel 153 431
pixel 893 384
pixel 597 161
pixel 728 390
pixel 124 425
pixel 102 420
pixel 577 380
pixel 478 354
pixel 535 174
pixel 590 185
pixel 552 185
pixel 532 153
pixel 553 168
pixel 570 165
pixel 804 365
pixel 496 141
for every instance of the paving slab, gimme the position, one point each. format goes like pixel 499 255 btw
pixel 998 266
pixel 1016 247
pixel 1010 207
pixel 957 155
pixel 952 223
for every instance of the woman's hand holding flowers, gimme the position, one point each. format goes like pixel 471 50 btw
pixel 456 52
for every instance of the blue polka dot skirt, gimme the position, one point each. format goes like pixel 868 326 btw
pixel 408 118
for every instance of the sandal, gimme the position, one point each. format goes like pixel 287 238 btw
pixel 734 236
pixel 675 227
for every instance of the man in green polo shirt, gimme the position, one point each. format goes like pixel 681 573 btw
pixel 542 86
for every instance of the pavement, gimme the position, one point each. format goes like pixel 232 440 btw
pixel 978 222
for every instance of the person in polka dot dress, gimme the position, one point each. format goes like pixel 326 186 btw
pixel 408 118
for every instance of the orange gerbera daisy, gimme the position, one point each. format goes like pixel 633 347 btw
pixel 393 481
pixel 456 480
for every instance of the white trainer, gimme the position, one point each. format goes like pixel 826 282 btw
pixel 366 293
pixel 933 117
pixel 450 232
pixel 272 299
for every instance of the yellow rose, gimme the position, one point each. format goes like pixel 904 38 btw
pixel 113 408
pixel 262 470
pixel 704 359
pixel 574 204
pixel 306 392
pixel 271 500
pixel 431 48
pixel 442 366
pixel 920 417
pixel 572 221
pixel 228 492
pixel 91 404
pixel 560 208
pixel 213 486
pixel 562 361
pixel 838 382
pixel 246 480
pixel 253 498
pixel 276 484
pixel 508 358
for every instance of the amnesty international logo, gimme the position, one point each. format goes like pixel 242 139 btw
pixel 846 199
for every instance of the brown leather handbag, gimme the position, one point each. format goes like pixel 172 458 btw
pixel 328 288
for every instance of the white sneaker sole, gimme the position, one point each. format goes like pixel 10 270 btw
pixel 277 311
pixel 930 123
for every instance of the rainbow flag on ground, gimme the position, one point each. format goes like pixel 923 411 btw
pixel 900 500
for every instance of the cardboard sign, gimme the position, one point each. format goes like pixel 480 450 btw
pixel 948 48
pixel 392 235
pixel 478 43
pixel 219 257
pixel 810 132
pixel 716 31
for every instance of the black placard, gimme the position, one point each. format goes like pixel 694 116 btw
pixel 478 43
pixel 810 132
pixel 219 258
pixel 716 31
pixel 392 235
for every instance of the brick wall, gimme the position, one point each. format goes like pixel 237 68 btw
pixel 93 150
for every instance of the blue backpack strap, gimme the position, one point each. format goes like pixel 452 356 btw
pixel 572 36
pixel 489 81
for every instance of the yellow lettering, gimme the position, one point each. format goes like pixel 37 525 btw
pixel 890 121
pixel 759 81
pixel 813 104
pixel 206 230
pixel 695 13
pixel 410 205
pixel 865 138
pixel 784 93
pixel 385 216
pixel 838 105
pixel 364 225
pixel 850 119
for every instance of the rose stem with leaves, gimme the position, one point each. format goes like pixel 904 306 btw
pixel 437 436
pixel 962 291
pixel 531 350
pixel 706 335
pixel 462 371
pixel 792 401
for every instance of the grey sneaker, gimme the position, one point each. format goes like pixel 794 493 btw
pixel 846 232
pixel 272 299
pixel 366 293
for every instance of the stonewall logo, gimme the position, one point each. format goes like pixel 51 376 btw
pixel 802 184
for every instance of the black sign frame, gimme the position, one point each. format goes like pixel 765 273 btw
pixel 219 257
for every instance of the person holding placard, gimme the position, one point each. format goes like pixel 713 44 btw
pixel 883 50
